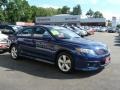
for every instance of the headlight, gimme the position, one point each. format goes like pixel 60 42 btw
pixel 85 51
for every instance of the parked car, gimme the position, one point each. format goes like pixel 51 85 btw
pixel 66 26
pixel 5 31
pixel 111 30
pixel 3 43
pixel 60 46
pixel 79 31
pixel 90 31
pixel 10 29
pixel 102 29
pixel 118 31
pixel 84 30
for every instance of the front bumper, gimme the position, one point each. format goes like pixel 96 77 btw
pixel 91 64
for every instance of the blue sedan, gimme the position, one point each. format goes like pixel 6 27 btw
pixel 60 46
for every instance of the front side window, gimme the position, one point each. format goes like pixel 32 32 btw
pixel 40 32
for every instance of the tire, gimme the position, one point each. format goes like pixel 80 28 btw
pixel 65 62
pixel 14 52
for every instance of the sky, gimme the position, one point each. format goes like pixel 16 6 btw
pixel 109 8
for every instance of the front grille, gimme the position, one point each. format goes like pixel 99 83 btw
pixel 92 64
pixel 95 64
pixel 101 51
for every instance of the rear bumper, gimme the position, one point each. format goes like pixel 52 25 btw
pixel 4 47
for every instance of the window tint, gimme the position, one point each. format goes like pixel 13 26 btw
pixel 9 28
pixel 26 32
pixel 2 27
pixel 40 32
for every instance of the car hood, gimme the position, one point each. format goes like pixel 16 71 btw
pixel 85 42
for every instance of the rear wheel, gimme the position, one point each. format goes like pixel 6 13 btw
pixel 14 52
pixel 65 62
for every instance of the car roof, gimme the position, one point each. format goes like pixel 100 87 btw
pixel 49 26
pixel 45 26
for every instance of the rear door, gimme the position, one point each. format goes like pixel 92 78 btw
pixel 25 41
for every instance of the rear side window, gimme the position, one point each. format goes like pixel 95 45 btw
pixel 2 27
pixel 9 28
pixel 26 32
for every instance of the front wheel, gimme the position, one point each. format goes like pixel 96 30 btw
pixel 65 62
pixel 14 52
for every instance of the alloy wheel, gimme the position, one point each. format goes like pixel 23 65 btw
pixel 14 52
pixel 64 63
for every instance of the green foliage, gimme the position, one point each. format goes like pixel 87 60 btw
pixel 65 10
pixel 3 2
pixel 45 11
pixel 118 26
pixel 1 15
pixel 19 10
pixel 77 10
pixel 96 14
pixel 109 23
pixel 90 13
pixel 59 11
pixel 12 11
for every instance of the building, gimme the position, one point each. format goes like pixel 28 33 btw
pixel 70 19
pixel 93 22
pixel 114 22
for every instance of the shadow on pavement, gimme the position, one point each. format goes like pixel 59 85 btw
pixel 40 69
pixel 117 41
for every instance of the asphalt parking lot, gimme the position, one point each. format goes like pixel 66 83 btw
pixel 27 74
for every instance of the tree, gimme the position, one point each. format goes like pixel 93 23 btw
pixel 3 2
pixel 65 10
pixel 41 12
pixel 118 26
pixel 109 23
pixel 98 14
pixel 2 18
pixel 26 11
pixel 3 5
pixel 90 13
pixel 51 11
pixel 77 10
pixel 59 11
pixel 33 9
pixel 11 12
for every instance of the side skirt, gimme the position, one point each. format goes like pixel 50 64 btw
pixel 37 59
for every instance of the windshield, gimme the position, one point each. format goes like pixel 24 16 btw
pixel 63 33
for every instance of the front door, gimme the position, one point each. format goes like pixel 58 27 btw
pixel 43 43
